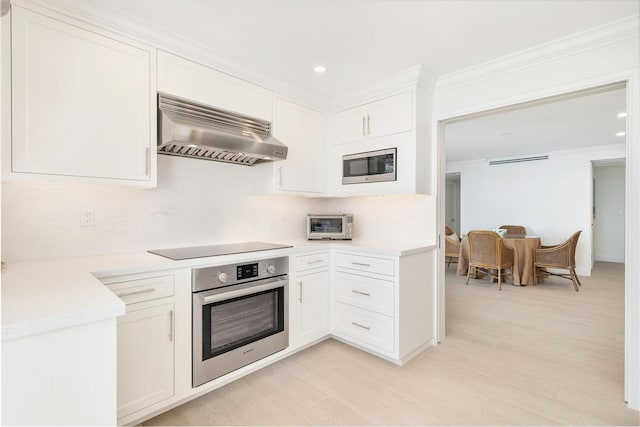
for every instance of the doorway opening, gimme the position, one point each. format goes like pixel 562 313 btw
pixel 608 210
pixel 452 202
pixel 552 195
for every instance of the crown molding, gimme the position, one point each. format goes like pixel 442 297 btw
pixel 142 31
pixel 102 15
pixel 417 75
pixel 613 32
pixel 612 151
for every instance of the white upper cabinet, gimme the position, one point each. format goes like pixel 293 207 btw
pixel 83 104
pixel 302 130
pixel 349 125
pixel 187 79
pixel 400 121
pixel 383 117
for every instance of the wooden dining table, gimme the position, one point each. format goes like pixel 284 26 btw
pixel 523 269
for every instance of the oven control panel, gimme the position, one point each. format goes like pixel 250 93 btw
pixel 225 275
pixel 247 271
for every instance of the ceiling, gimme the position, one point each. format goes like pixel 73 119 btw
pixel 574 122
pixel 362 41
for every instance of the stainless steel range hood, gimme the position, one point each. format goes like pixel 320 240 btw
pixel 188 129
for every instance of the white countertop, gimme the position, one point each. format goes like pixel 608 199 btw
pixel 368 246
pixel 49 295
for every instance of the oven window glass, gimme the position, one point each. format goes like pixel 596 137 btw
pixel 326 225
pixel 227 325
pixel 372 165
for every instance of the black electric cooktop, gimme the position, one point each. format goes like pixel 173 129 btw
pixel 216 250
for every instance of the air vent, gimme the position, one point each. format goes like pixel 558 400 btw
pixel 206 153
pixel 518 160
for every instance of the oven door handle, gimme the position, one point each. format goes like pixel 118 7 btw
pixel 280 282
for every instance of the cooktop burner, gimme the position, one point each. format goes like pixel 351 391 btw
pixel 216 250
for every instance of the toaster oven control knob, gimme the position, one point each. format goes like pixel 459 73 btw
pixel 271 268
pixel 222 277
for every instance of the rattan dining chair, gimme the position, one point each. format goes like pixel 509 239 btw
pixel 448 231
pixel 488 253
pixel 451 249
pixel 562 256
pixel 514 231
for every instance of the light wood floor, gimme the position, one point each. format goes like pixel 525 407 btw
pixel 544 355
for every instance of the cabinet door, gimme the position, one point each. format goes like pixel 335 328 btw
pixel 313 306
pixel 390 115
pixel 188 79
pixel 145 358
pixel 81 102
pixel 302 130
pixel 349 125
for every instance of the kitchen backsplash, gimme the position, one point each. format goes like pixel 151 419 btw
pixel 195 203
pixel 398 218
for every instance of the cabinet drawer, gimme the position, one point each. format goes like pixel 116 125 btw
pixel 365 292
pixel 366 263
pixel 306 262
pixel 370 328
pixel 143 289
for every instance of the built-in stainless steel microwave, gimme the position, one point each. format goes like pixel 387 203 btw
pixel 327 226
pixel 372 166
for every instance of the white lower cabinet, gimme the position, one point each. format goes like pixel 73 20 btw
pixel 384 304
pixel 368 327
pixel 365 292
pixel 146 343
pixel 145 357
pixel 310 298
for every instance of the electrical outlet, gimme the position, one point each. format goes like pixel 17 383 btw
pixel 86 218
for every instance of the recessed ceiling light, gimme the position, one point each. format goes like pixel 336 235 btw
pixel 620 134
pixel 319 69
pixel 623 114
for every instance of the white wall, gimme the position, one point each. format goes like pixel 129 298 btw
pixel 608 230
pixel 551 198
pixel 197 202
pixel 395 218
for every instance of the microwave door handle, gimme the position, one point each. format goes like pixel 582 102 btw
pixel 242 292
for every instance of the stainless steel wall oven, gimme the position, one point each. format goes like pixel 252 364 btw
pixel 240 315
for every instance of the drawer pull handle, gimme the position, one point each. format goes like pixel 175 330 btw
pixel 171 325
pixel 315 261
pixel 300 297
pixel 361 263
pixel 360 293
pixel 138 292
pixel 360 326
